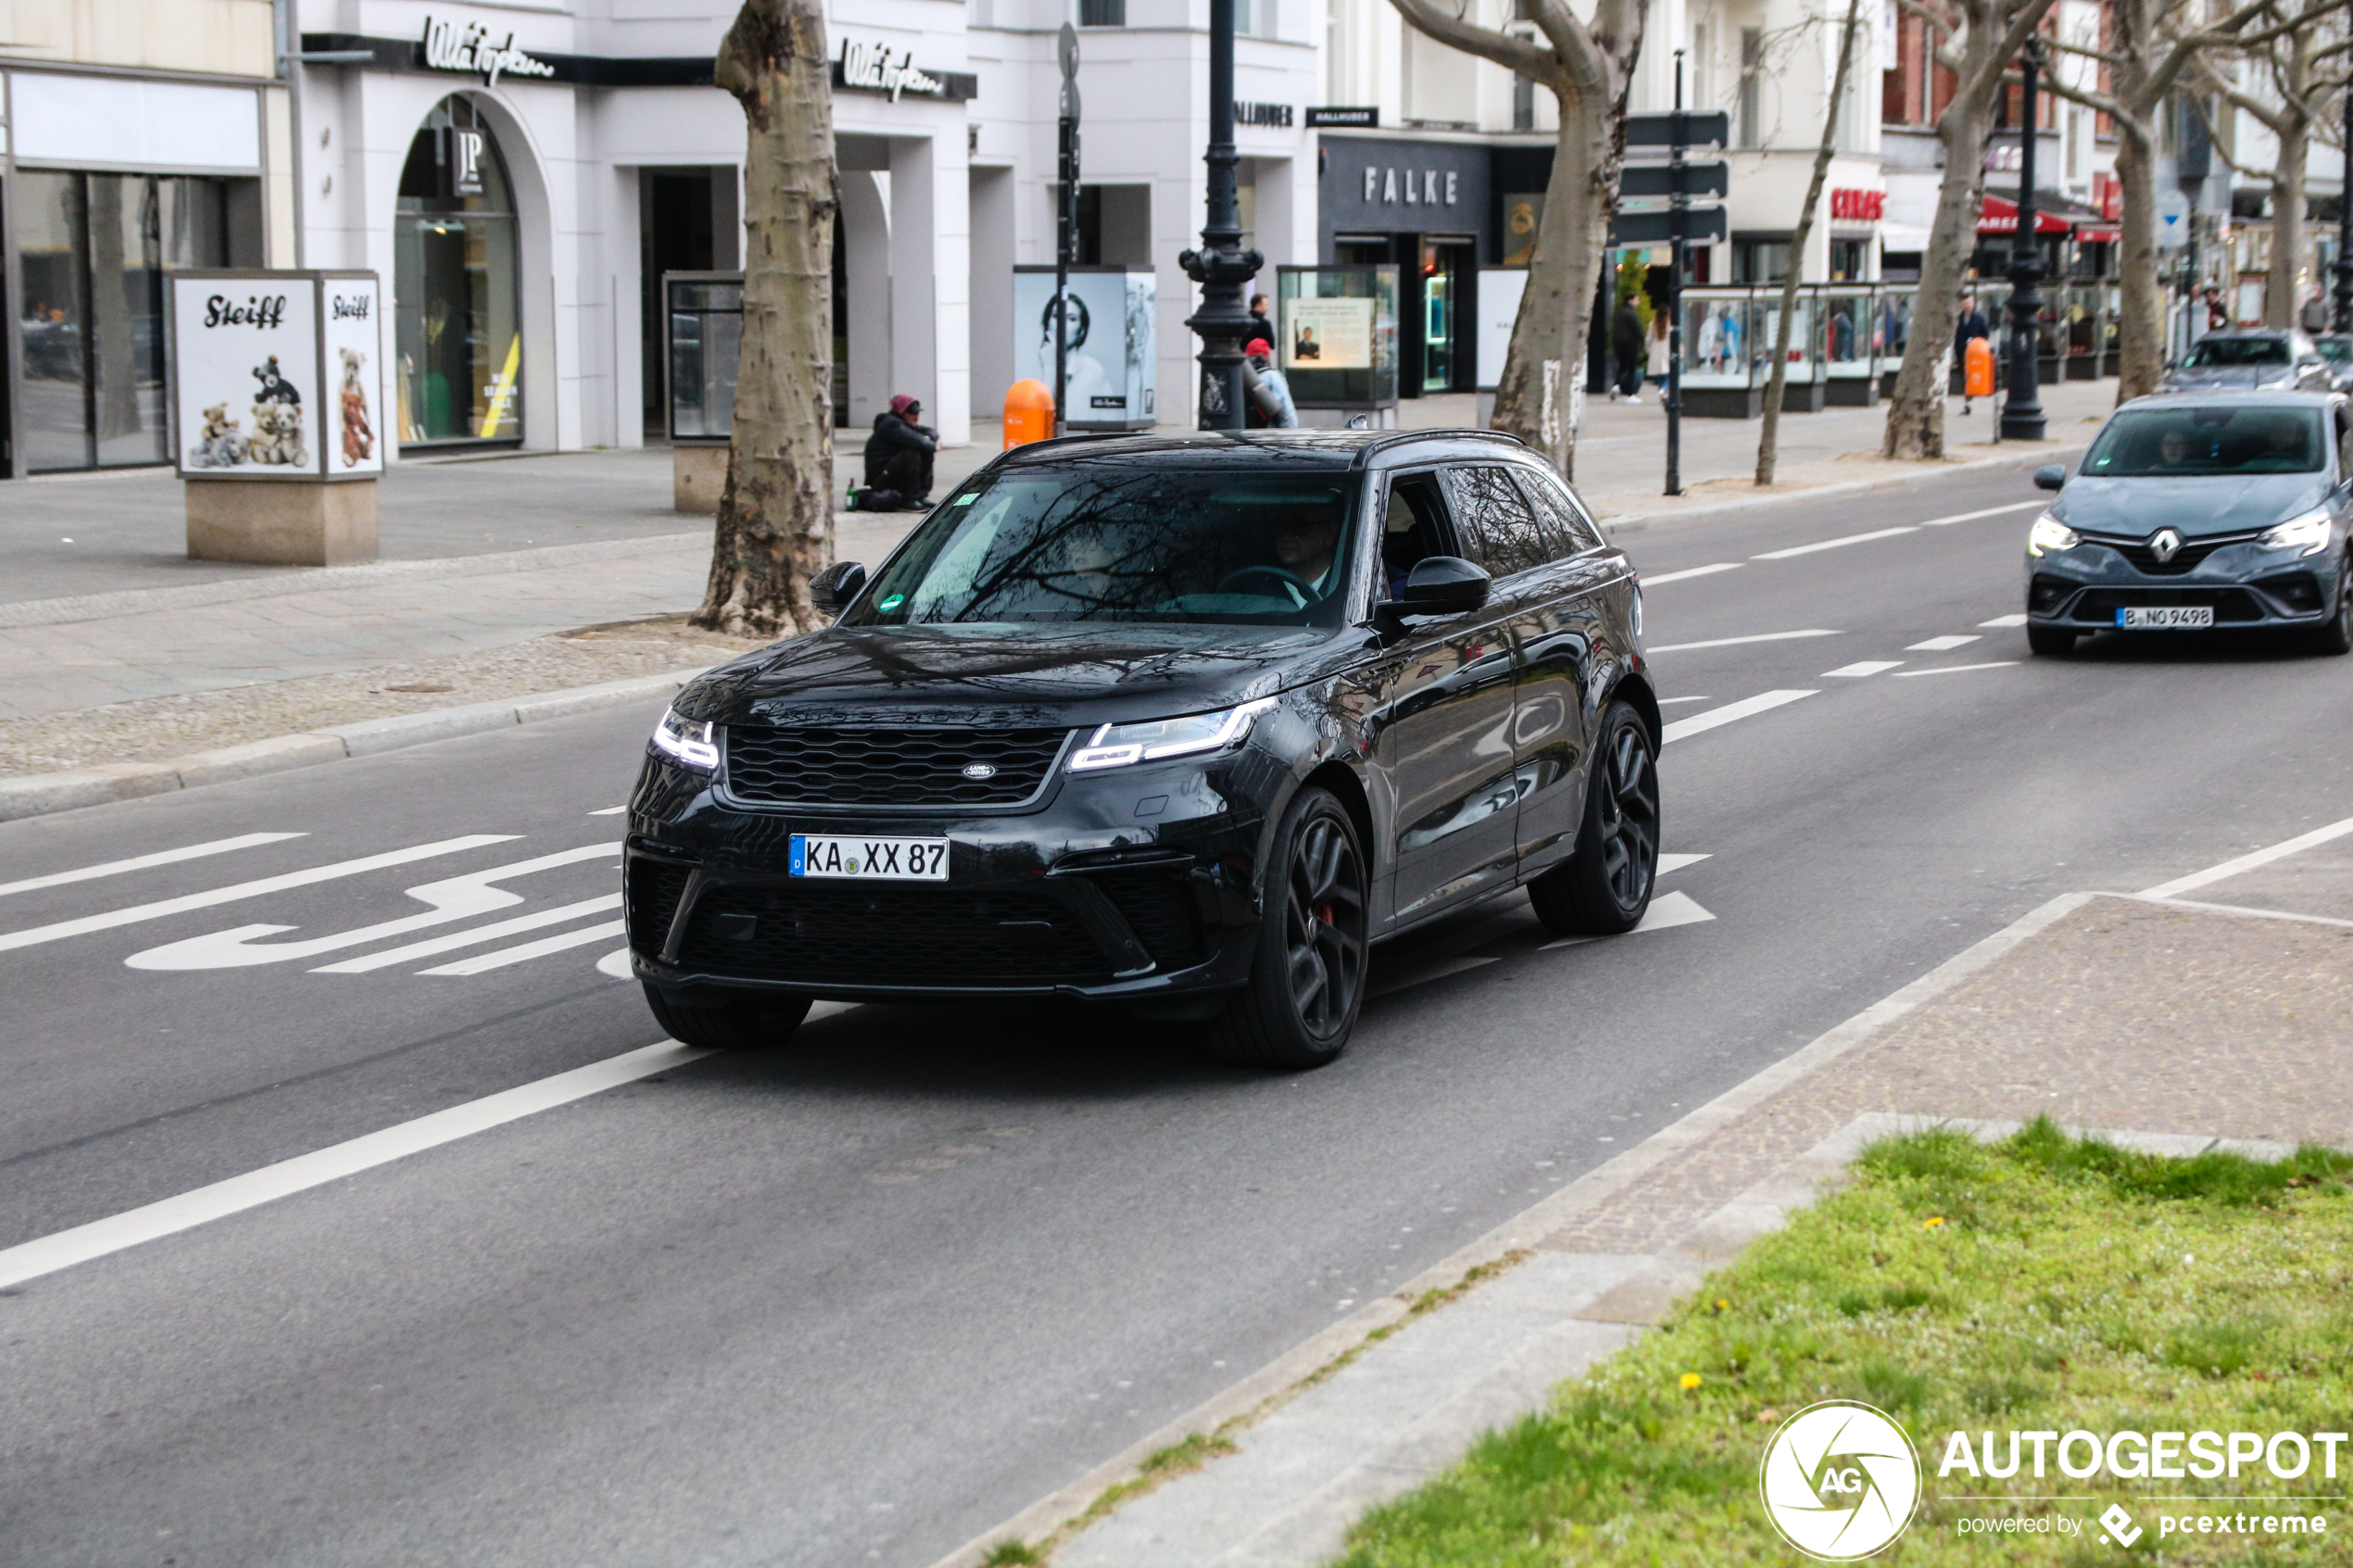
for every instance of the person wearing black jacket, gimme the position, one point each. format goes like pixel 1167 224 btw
pixel 1626 346
pixel 1970 326
pixel 899 458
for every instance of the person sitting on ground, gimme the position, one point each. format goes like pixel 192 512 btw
pixel 1268 390
pixel 898 459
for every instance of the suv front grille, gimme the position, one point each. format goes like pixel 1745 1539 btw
pixel 919 935
pixel 1162 911
pixel 652 890
pixel 2185 561
pixel 811 766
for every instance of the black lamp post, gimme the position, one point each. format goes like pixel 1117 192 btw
pixel 1221 266
pixel 2342 317
pixel 2022 411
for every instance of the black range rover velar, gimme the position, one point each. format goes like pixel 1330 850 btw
pixel 1181 724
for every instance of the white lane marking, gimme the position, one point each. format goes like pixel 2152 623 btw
pixel 1733 642
pixel 1938 645
pixel 2240 909
pixel 1438 970
pixel 1676 864
pixel 1672 701
pixel 1748 706
pixel 1666 912
pixel 2004 623
pixel 453 898
pixel 2248 863
pixel 1862 668
pixel 1837 544
pixel 617 810
pixel 1955 668
pixel 523 952
pixel 141 862
pixel 616 965
pixel 1989 511
pixel 1709 571
pixel 474 937
pixel 170 1216
pixel 32 936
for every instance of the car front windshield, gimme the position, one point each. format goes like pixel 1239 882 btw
pixel 1126 541
pixel 2141 442
pixel 2335 350
pixel 2215 352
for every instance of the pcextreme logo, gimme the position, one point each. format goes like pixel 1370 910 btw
pixel 1840 1480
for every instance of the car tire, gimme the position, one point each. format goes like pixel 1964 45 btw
pixel 2052 642
pixel 2335 634
pixel 1307 976
pixel 737 1024
pixel 1604 889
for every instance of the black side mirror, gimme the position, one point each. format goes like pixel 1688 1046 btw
pixel 2051 476
pixel 832 589
pixel 1444 585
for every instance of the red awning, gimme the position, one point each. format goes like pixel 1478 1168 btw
pixel 2000 217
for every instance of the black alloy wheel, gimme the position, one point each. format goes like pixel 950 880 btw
pixel 1307 979
pixel 2335 634
pixel 1604 889
pixel 2050 640
pixel 737 1024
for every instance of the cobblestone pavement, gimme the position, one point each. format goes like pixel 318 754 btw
pixel 158 728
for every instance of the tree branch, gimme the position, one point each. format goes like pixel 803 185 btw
pixel 1517 55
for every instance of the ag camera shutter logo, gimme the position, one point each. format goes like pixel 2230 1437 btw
pixel 1840 1480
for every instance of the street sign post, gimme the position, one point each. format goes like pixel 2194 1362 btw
pixel 1066 221
pixel 1680 181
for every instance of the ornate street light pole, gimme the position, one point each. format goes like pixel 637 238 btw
pixel 1221 266
pixel 2342 317
pixel 2022 411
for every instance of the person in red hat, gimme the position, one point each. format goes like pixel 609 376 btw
pixel 898 459
pixel 1269 393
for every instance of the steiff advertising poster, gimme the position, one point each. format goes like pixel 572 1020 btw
pixel 276 375
pixel 352 328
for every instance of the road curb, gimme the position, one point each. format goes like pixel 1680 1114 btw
pixel 41 794
pixel 1524 1234
pixel 1636 522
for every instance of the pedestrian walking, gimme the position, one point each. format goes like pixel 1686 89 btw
pixel 1259 325
pixel 1269 393
pixel 899 459
pixel 1626 347
pixel 1971 326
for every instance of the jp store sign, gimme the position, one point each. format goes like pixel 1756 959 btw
pixel 1840 1481
pixel 447 46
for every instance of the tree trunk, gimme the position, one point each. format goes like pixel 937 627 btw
pixel 1915 413
pixel 776 514
pixel 1546 358
pixel 2140 326
pixel 2284 295
pixel 1768 440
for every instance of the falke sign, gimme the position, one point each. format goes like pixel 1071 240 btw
pixel 446 46
pixel 1862 206
pixel 870 67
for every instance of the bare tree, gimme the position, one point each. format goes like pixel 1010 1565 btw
pixel 1768 441
pixel 1976 40
pixel 2300 76
pixel 2153 45
pixel 775 516
pixel 1588 66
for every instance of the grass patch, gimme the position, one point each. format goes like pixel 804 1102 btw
pixel 2038 1282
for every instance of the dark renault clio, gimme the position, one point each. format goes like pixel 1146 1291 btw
pixel 1178 723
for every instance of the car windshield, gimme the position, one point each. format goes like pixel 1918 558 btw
pixel 2335 350
pixel 2208 440
pixel 2216 351
pixel 1130 542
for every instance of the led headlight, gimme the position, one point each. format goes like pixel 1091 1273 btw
pixel 690 742
pixel 1116 746
pixel 2050 534
pixel 2307 535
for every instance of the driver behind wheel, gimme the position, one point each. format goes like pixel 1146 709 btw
pixel 1303 544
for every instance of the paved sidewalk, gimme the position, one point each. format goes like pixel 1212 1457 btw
pixel 2213 1008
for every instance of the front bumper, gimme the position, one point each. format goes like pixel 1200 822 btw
pixel 1077 896
pixel 2245 585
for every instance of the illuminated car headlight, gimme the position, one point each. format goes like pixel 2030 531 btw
pixel 2307 535
pixel 1116 746
pixel 690 742
pixel 2050 534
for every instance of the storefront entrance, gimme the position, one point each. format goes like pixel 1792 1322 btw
pixel 454 291
pixel 1446 351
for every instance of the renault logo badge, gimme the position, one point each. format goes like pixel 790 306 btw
pixel 980 771
pixel 2165 545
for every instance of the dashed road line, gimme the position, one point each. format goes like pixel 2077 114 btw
pixel 1837 544
pixel 1690 571
pixel 1956 669
pixel 1666 912
pixel 1734 641
pixel 2004 623
pixel 141 862
pixel 1939 644
pixel 1731 712
pixel 2249 863
pixel 1987 511
pixel 1861 668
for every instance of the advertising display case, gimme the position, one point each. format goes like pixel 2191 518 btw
pixel 1339 329
pixel 277 382
pixel 1110 351
pixel 1895 308
pixel 1850 345
pixel 1720 367
pixel 702 337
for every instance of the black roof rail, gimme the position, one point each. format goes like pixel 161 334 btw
pixel 1387 439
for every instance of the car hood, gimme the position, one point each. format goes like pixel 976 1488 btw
pixel 1043 675
pixel 2218 504
pixel 2229 378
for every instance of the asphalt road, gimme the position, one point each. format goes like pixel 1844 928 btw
pixel 856 1300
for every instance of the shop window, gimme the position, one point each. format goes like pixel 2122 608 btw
pixel 1760 262
pixel 454 291
pixel 1752 129
pixel 93 251
pixel 1846 260
pixel 1102 13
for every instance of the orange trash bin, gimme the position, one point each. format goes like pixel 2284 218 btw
pixel 1977 379
pixel 1029 413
